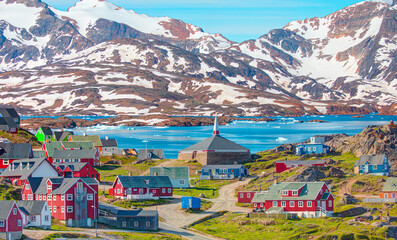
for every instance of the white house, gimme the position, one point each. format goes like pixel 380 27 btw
pixel 35 214
pixel 179 176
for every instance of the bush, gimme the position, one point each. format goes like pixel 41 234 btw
pixel 349 236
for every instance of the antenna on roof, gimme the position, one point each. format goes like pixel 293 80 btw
pixel 216 128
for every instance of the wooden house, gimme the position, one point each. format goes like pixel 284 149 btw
pixel 179 176
pixel 44 134
pixel 35 214
pixel 316 146
pixel 110 147
pixel 8 125
pixel 10 221
pixel 372 164
pixel 150 154
pixel 10 152
pixel 95 139
pixel 282 166
pixel 389 190
pixel 90 156
pixel 11 113
pixel 77 170
pixel 20 170
pixel 141 220
pixel 61 136
pixel 50 147
pixel 212 172
pixel 71 200
pixel 141 187
pixel 246 196
pixel 306 199
pixel 216 150
pixel 191 203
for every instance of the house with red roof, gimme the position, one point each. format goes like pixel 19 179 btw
pixel 77 170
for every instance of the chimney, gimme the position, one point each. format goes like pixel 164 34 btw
pixel 107 138
pixel 275 181
pixel 84 134
pixel 21 166
pixel 216 128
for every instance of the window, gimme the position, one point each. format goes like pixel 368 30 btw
pixel 46 218
pixel 5 162
pixel 241 195
pixel 182 181
pixel 55 208
pixel 43 197
pixel 124 224
pixel 300 204
pixel 27 186
pixel 62 209
pixel 1 223
pixel 163 190
pixel 375 167
pixel 292 204
pixel 63 197
pixel 40 197
pixel 23 196
pixel 330 203
pixel 255 205
pixel 90 197
pixel 33 218
pixel 136 224
pixel 45 208
pixel 309 149
pixel 386 195
pixel 248 195
pixel 135 189
pixel 309 203
pixel 283 204
pixel 294 192
pixel 314 149
pixel 285 192
pixel 154 191
pixel 169 190
pixel 147 224
pixel 261 205
pixel 14 211
pixel 393 195
pixel 274 203
pixel 19 223
pixel 49 197
pixel 69 209
pixel 118 191
pixel 49 187
pixel 55 197
pixel 69 197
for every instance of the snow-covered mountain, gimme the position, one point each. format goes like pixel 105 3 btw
pixel 100 58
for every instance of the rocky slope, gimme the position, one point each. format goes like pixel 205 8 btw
pixel 97 58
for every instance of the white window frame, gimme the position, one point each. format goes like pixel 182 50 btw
pixel 33 218
pixel 295 192
pixel 241 195
pixel 314 149
pixel 19 223
pixel 90 196
pixel 309 203
pixel 261 205
pixel 285 192
pixel 69 197
pixel 40 197
pixel 291 203
pixel 46 218
pixel 283 204
pixel 6 162
pixel 275 204
pixel 386 195
pixel 69 209
pixel 393 195
pixel 55 197
pixel 49 197
pixel 63 209
pixel 169 190
pixel 63 197
pixel 14 211
pixel 248 195
pixel 55 209
pixel 124 224
pixel 1 223
pixel 329 203
pixel 49 187
pixel 23 196
pixel 300 203
pixel 182 181
pixel 255 205
pixel 163 190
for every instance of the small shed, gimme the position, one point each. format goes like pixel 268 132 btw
pixel 142 220
pixel 192 203
pixel 149 154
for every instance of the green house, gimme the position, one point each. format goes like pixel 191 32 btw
pixel 44 134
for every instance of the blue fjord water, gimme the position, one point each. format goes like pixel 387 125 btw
pixel 257 136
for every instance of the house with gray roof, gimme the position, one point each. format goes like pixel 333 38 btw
pixel 216 150
pixel 377 164
pixel 111 147
pixel 213 172
pixel 179 176
pixel 305 199
pixel 11 113
pixel 10 221
pixel 141 220
pixel 20 170
pixel 13 151
pixel 90 156
pixel 141 187
pixel 44 134
pixel 60 136
pixel 389 190
pixel 7 124
pixel 150 154
pixel 35 214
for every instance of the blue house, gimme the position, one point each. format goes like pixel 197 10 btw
pixel 211 172
pixel 192 203
pixel 316 146
pixel 372 164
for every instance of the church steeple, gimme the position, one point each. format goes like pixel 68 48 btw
pixel 216 128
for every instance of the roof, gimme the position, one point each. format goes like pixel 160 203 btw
pixel 109 143
pixel 150 154
pixel 74 154
pixel 9 112
pixel 52 146
pixel 376 159
pixel 39 185
pixel 60 135
pixel 172 172
pixel 145 181
pixel 5 207
pixel 390 185
pixel 76 166
pixel 39 154
pixel 95 139
pixel 31 207
pixel 275 210
pixel 229 166
pixel 23 168
pixel 47 131
pixel 309 192
pixel 137 213
pixel 216 142
pixel 15 150
pixel 303 162
pixel 8 121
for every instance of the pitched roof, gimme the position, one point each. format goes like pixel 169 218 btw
pixel 217 143
pixel 74 154
pixel 31 207
pixel 52 146
pixel 145 181
pixel 376 159
pixel 60 135
pixel 15 150
pixel 137 213
pixel 390 185
pixel 9 112
pixel 309 192
pixel 229 166
pixel 39 154
pixel 150 154
pixel 8 122
pixel 47 131
pixel 89 138
pixel 5 207
pixel 23 168
pixel 76 166
pixel 172 172
pixel 39 185
pixel 109 143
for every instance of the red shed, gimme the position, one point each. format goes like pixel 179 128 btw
pixel 10 220
pixel 246 196
pixel 77 170
pixel 282 166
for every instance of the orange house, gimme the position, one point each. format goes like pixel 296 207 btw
pixel 390 188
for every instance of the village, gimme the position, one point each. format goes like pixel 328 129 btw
pixel 55 184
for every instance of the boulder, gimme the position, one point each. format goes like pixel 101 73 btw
pixel 363 218
pixel 348 199
pixel 335 172
pixel 378 224
pixel 201 195
pixel 352 212
pixel 307 174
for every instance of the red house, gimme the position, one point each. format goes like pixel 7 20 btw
pixel 141 187
pixel 72 200
pixel 306 199
pixel 282 166
pixel 77 170
pixel 10 220
pixel 13 151
pixel 20 170
pixel 90 156
pixel 246 196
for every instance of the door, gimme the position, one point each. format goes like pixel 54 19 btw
pixel 89 222
pixel 324 204
pixel 141 191
pixel 129 191
pixel 190 203
pixel 365 168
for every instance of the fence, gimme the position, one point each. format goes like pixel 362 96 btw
pixel 273 215
pixel 380 200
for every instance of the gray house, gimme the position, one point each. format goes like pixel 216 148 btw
pixel 149 154
pixel 35 214
pixel 143 220
pixel 110 147
pixel 179 176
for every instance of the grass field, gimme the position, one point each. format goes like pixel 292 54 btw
pixel 210 188
pixel 23 136
pixel 65 236
pixel 138 204
pixel 237 226
pixel 143 236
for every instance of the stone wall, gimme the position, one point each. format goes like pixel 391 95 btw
pixel 185 156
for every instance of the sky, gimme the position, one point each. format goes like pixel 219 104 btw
pixel 238 20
